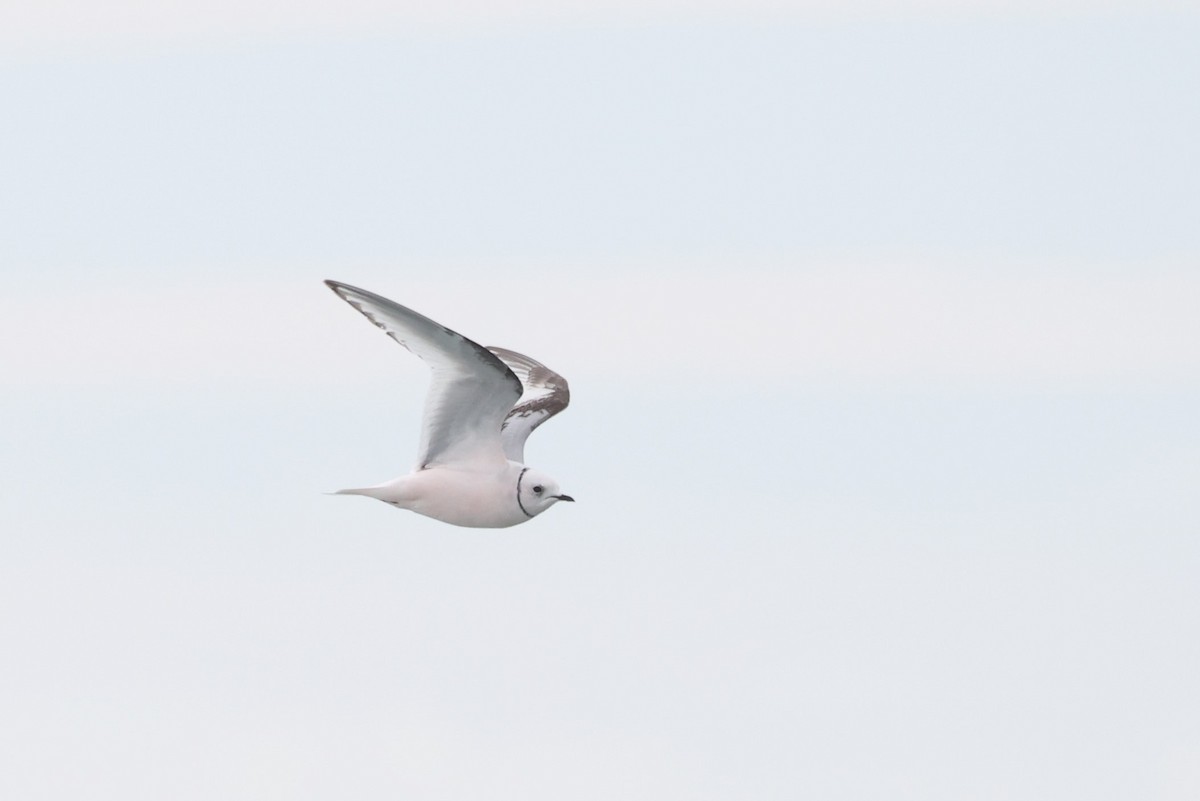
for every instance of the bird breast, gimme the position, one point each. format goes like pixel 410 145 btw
pixel 463 498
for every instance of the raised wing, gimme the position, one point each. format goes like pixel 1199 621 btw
pixel 471 391
pixel 546 394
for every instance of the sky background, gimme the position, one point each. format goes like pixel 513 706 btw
pixel 881 325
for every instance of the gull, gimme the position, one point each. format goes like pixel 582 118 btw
pixel 483 403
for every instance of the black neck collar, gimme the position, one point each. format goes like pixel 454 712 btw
pixel 523 509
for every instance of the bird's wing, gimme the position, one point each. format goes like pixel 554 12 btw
pixel 471 391
pixel 545 395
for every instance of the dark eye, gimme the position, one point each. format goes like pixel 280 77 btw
pixel 537 490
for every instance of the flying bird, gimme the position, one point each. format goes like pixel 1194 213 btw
pixel 483 403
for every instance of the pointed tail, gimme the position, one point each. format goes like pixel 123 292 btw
pixel 371 492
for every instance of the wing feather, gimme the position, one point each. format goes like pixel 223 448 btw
pixel 545 394
pixel 471 392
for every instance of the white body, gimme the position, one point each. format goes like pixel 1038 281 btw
pixel 461 495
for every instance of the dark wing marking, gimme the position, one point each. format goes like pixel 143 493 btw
pixel 545 395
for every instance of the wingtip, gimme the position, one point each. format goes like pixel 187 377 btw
pixel 344 291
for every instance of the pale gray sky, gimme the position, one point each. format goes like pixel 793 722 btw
pixel 880 322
